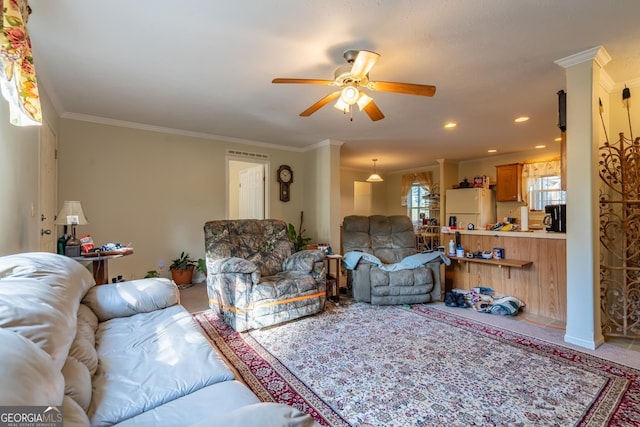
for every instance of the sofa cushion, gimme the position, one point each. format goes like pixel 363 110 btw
pixel 266 242
pixel 266 414
pixel 77 382
pixel 157 357
pixel 29 375
pixel 87 324
pixel 209 402
pixel 84 351
pixel 74 415
pixel 128 298
pixel 39 298
pixel 303 261
pixel 356 234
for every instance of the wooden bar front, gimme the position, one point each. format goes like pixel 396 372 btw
pixel 541 285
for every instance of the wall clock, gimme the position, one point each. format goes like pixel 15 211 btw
pixel 285 178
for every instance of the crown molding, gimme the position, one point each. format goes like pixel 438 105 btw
pixel 598 54
pixel 160 129
pixel 324 143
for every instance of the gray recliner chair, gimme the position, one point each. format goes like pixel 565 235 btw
pixel 391 239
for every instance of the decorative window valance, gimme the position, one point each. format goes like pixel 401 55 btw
pixel 535 170
pixel 17 70
pixel 424 179
pixel 540 169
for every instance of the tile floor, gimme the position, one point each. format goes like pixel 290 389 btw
pixel 623 351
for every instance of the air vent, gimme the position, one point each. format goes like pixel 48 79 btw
pixel 247 154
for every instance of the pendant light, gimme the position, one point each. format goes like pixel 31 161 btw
pixel 374 177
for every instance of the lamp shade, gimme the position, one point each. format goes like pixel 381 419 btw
pixel 374 177
pixel 71 214
pixel 350 95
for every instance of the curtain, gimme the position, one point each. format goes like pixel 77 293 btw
pixel 407 182
pixel 424 179
pixel 17 71
pixel 532 171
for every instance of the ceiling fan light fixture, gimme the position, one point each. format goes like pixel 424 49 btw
pixel 341 105
pixel 364 100
pixel 374 177
pixel 350 95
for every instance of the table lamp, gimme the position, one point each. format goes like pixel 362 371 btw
pixel 71 214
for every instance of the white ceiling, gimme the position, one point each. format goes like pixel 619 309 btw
pixel 205 67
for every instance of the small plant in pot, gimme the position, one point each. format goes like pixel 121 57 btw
pixel 201 267
pixel 182 270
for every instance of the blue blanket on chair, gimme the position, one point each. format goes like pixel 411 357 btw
pixel 351 260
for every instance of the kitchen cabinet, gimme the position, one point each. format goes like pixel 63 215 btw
pixel 509 183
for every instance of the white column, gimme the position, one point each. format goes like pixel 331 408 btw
pixel 583 245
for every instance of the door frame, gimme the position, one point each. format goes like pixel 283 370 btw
pixel 267 174
pixel 47 190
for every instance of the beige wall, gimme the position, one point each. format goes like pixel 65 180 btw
pixel 19 180
pixel 157 190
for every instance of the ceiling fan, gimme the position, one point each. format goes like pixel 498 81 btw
pixel 352 78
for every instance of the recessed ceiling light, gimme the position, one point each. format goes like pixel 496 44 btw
pixel 450 125
pixel 492 151
pixel 521 119
pixel 540 146
pixel 558 139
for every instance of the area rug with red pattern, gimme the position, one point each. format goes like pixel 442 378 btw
pixel 363 365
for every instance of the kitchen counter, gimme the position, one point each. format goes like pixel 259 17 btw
pixel 536 234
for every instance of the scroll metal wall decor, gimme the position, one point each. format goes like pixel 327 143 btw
pixel 619 170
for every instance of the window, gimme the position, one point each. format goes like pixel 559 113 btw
pixel 415 192
pixel 543 184
pixel 545 190
pixel 419 204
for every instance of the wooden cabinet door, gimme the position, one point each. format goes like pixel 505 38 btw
pixel 509 183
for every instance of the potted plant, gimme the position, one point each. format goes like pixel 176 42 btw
pixel 201 267
pixel 299 242
pixel 151 274
pixel 182 270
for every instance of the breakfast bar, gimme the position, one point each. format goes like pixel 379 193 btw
pixel 536 272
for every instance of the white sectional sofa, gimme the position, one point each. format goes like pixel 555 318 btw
pixel 123 354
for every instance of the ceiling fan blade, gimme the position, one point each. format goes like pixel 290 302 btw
pixel 318 105
pixel 373 111
pixel 302 81
pixel 407 88
pixel 363 63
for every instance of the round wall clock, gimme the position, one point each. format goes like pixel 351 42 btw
pixel 285 178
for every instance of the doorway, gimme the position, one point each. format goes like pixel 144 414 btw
pixel 247 192
pixel 47 188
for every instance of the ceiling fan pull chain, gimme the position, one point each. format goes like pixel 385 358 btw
pixel 350 113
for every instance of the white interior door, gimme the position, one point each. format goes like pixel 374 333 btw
pixel 252 193
pixel 361 198
pixel 48 188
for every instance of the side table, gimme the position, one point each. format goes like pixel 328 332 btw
pixel 100 264
pixel 333 279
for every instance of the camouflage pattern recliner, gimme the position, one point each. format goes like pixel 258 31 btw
pixel 254 279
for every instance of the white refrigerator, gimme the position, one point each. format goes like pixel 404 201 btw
pixel 475 206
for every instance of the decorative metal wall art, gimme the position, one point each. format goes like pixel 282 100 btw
pixel 619 170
